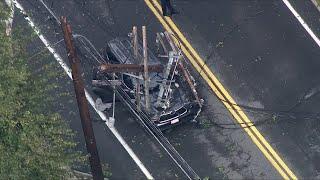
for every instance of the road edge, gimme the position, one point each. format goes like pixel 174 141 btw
pixel 316 4
pixel 88 96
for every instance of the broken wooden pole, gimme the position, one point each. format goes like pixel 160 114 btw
pixel 135 54
pixel 146 72
pixel 78 83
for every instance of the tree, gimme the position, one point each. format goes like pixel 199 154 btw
pixel 35 142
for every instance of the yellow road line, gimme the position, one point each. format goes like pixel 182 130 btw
pixel 222 93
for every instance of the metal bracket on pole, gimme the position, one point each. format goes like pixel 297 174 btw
pixel 184 70
pixel 164 85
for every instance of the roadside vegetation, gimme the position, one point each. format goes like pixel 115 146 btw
pixel 35 142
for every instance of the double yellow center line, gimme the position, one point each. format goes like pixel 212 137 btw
pixel 221 92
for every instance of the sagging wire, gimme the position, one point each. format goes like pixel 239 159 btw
pixel 94 18
pixel 50 11
pixel 270 119
pixel 311 92
pixel 102 61
pixel 274 114
pixel 56 19
pixel 44 49
pixel 288 114
pixel 76 36
pixel 227 34
pixel 81 36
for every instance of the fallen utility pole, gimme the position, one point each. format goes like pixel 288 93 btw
pixel 146 72
pixel 184 71
pixel 113 68
pixel 135 53
pixel 78 83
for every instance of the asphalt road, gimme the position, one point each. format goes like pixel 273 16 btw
pixel 266 60
pixel 257 49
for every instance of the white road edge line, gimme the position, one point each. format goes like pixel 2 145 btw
pixel 89 97
pixel 302 22
pixel 316 4
pixel 9 20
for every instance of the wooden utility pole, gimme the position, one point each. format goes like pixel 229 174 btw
pixel 146 73
pixel 78 83
pixel 135 53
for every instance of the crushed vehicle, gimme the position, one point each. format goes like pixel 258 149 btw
pixel 171 90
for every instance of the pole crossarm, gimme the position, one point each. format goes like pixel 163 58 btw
pixel 113 68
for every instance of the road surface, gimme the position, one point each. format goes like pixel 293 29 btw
pixel 258 51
